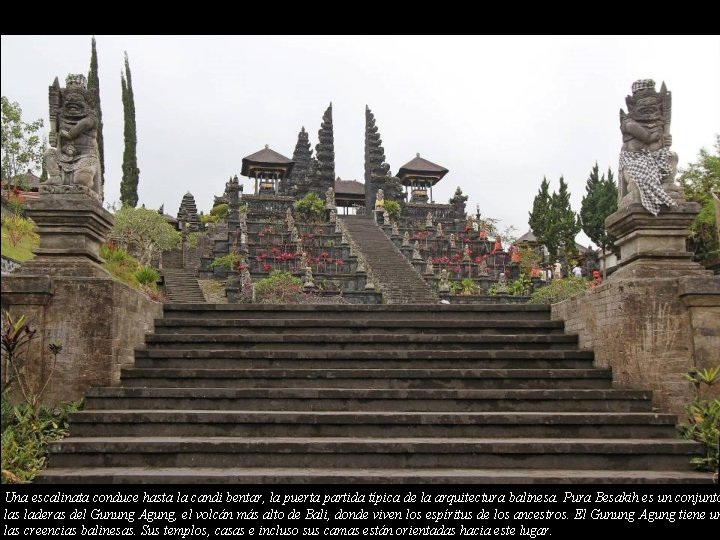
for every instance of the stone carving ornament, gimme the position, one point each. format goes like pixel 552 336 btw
pixel 72 161
pixel 330 199
pixel 647 166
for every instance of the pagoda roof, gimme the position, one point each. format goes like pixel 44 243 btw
pixel 266 158
pixel 421 167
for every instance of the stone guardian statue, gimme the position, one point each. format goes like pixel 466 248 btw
pixel 72 159
pixel 647 166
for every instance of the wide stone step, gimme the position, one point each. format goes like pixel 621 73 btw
pixel 321 475
pixel 313 342
pixel 352 325
pixel 198 423
pixel 367 378
pixel 334 359
pixel 415 452
pixel 352 399
pixel 375 312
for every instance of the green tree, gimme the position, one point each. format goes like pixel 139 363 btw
pixel 553 221
pixel 599 202
pixel 94 82
pixel 565 225
pixel 540 218
pixel 144 232
pixel 131 173
pixel 699 181
pixel 310 207
pixel 22 148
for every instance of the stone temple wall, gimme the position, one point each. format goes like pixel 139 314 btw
pixel 99 321
pixel 649 331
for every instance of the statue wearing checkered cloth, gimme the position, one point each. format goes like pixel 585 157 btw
pixel 647 166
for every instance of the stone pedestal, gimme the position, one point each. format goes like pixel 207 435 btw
pixel 69 296
pixel 653 246
pixel 71 227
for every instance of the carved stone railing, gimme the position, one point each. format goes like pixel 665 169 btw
pixel 267 205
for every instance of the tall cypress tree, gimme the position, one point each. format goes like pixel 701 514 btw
pixel 539 218
pixel 599 202
pixel 131 173
pixel 553 221
pixel 94 83
pixel 565 225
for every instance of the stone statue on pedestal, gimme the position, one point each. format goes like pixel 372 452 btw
pixel 647 166
pixel 380 200
pixel 416 251
pixel 502 284
pixel 72 159
pixel 444 285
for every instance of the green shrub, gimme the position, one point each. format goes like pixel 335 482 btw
pixel 558 290
pixel 221 211
pixel 392 208
pixel 25 437
pixel 310 207
pixel 703 417
pixel 17 229
pixel 520 286
pixel 120 264
pixel 114 253
pixel 228 261
pixel 279 288
pixel 147 275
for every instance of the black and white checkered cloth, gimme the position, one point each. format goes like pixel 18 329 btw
pixel 647 170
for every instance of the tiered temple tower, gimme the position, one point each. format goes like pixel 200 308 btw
pixel 187 215
pixel 324 174
pixel 377 171
pixel 297 182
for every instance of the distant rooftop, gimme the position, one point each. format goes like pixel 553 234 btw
pixel 349 187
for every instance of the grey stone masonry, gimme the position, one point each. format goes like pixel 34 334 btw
pixel 398 281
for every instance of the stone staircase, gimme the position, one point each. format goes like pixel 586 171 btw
pixel 371 394
pixel 181 286
pixel 398 281
pixel 173 259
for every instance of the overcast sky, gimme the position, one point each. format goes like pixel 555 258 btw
pixel 499 112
